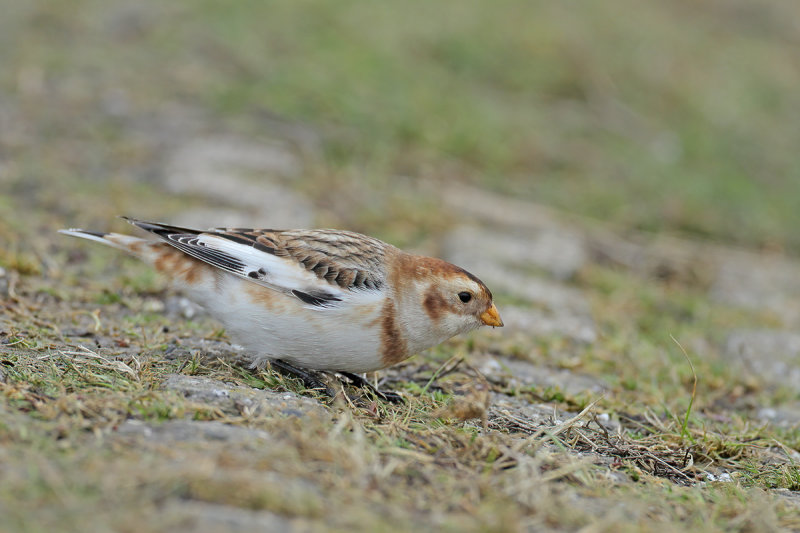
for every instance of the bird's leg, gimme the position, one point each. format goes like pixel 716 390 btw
pixel 358 381
pixel 312 381
pixel 307 377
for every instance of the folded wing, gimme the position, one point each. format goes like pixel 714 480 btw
pixel 321 268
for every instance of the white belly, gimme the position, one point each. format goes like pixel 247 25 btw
pixel 273 325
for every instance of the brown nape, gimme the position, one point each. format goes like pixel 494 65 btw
pixel 434 304
pixel 393 345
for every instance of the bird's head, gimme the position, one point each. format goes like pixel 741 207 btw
pixel 452 300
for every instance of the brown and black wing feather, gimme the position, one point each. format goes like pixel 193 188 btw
pixel 346 259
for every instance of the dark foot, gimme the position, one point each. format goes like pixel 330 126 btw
pixel 358 381
pixel 308 377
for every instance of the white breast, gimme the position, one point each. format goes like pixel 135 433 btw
pixel 272 325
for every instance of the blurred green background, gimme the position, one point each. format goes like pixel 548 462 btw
pixel 668 116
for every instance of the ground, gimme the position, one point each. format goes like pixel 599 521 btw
pixel 626 186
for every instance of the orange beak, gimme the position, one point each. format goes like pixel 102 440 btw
pixel 491 317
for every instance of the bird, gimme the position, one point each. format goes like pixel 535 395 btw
pixel 317 299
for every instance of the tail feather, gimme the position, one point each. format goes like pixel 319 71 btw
pixel 128 243
pixel 181 268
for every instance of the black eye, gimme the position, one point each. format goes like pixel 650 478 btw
pixel 464 296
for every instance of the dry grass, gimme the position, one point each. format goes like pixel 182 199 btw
pixel 90 438
pixel 430 462
pixel 665 453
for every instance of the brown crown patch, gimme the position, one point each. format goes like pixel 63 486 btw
pixel 420 267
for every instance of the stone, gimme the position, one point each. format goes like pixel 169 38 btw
pixel 524 373
pixel 538 322
pixel 190 431
pixel 773 356
pixel 504 409
pixel 218 153
pixel 785 415
pixel 241 399
pixel 470 203
pixel 760 282
pixel 201 517
pixel 791 497
pixel 210 348
pixel 558 251
pixel 243 174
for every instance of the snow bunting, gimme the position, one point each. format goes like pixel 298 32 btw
pixel 318 299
